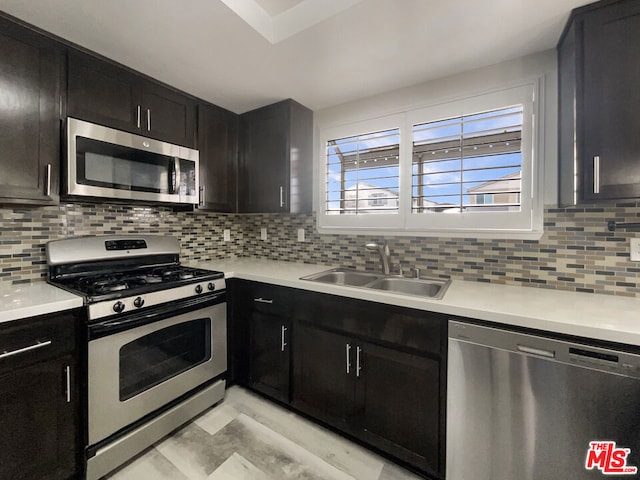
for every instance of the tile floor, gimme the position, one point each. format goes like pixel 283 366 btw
pixel 248 438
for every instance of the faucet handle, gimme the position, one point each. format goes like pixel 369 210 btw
pixel 397 267
pixel 416 272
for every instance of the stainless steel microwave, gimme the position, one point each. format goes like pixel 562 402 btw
pixel 111 164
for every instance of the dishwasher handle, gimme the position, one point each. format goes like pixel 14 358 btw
pixel 536 351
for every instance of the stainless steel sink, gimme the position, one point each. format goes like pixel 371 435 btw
pixel 343 276
pixel 434 288
pixel 422 287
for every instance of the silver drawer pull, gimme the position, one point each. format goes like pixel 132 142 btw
pixel 47 190
pixel 284 342
pixel 537 351
pixel 25 349
pixel 263 300
pixel 68 375
pixel 348 351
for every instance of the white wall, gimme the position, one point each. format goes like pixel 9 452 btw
pixel 543 64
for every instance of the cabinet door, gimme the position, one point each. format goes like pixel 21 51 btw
pixel 263 174
pixel 323 374
pixel 218 146
pixel 399 398
pixel 30 76
pixel 38 424
pixel 103 93
pixel 168 115
pixel 611 102
pixel 270 357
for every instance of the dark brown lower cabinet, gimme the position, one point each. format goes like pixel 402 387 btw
pixel 321 385
pixel 399 404
pixel 386 397
pixel 39 399
pixel 374 372
pixel 38 439
pixel 260 337
pixel 270 359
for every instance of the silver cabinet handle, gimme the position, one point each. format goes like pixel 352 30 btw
pixel 201 201
pixel 263 300
pixel 348 358
pixel 358 367
pixel 148 119
pixel 283 343
pixel 68 374
pixel 25 349
pixel 138 115
pixel 596 174
pixel 281 197
pixel 47 188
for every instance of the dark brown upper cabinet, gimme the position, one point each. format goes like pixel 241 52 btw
pixel 31 76
pixel 275 159
pixel 218 146
pixel 108 94
pixel 599 103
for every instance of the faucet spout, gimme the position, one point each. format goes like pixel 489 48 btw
pixel 385 255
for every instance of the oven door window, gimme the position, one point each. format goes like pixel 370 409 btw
pixel 163 354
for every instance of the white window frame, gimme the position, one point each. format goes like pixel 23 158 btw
pixel 362 222
pixel 525 224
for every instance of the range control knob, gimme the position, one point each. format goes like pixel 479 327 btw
pixel 198 288
pixel 138 302
pixel 211 286
pixel 118 307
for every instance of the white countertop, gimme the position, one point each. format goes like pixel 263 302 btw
pixel 604 317
pixel 28 300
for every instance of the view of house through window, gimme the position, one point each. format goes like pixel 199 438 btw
pixel 363 173
pixel 469 163
pixel 463 164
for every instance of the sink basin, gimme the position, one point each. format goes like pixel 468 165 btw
pixel 422 287
pixel 343 276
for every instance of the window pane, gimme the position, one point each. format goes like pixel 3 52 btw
pixel 363 174
pixel 468 163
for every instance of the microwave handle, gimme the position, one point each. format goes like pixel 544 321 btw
pixel 172 176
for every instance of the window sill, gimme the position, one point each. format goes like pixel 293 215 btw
pixel 442 233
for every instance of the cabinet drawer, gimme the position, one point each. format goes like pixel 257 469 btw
pixel 269 299
pixel 27 341
pixel 416 330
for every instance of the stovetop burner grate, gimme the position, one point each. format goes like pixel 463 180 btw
pixel 113 285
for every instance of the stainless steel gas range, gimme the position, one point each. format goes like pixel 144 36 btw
pixel 156 351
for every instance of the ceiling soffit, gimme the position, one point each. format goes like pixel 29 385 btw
pixel 277 20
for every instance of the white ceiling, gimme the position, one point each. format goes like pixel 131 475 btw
pixel 204 48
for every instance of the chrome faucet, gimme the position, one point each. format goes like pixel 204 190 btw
pixel 384 253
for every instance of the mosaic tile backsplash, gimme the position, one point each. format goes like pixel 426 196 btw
pixel 577 252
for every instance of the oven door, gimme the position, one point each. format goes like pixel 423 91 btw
pixel 151 360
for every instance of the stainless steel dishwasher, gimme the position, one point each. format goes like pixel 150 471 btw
pixel 526 407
